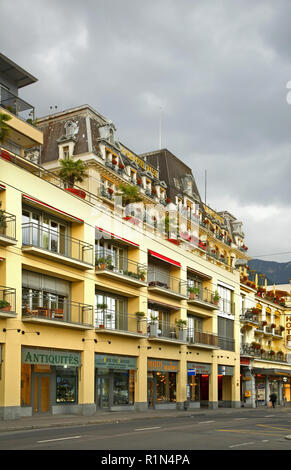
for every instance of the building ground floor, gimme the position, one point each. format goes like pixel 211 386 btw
pixel 40 379
pixel 260 380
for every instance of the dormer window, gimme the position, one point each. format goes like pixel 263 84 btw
pixel 66 152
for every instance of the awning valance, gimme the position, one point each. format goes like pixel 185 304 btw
pixel 165 258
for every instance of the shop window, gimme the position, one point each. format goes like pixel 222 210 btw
pixel 166 386
pixel 66 386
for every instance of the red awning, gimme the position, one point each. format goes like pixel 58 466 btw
pixel 117 237
pixel 37 203
pixel 164 258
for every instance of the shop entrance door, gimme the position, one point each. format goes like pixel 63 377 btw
pixel 42 393
pixel 103 389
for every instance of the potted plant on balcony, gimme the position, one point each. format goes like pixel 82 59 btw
pixel 273 325
pixel 71 172
pixel 193 292
pixel 182 329
pixel 5 306
pixel 105 262
pixel 4 129
pixel 141 275
pixel 216 298
pixel 101 307
pixel 3 223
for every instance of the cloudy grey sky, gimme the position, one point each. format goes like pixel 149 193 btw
pixel 218 69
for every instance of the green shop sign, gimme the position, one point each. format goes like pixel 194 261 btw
pixel 114 362
pixel 50 357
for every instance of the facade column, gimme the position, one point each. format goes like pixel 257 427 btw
pixel 87 379
pixel 182 380
pixel 10 379
pixel 235 387
pixel 213 386
pixel 141 385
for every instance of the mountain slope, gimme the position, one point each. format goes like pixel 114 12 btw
pixel 278 273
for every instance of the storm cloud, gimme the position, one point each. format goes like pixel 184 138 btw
pixel 215 71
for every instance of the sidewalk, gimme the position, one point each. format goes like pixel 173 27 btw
pixel 49 421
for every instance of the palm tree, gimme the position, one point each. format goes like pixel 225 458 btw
pixel 129 193
pixel 4 129
pixel 72 171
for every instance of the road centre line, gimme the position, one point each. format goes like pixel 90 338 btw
pixel 273 427
pixel 206 422
pixel 59 439
pixel 146 429
pixel 244 444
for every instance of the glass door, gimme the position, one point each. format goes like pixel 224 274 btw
pixel 103 388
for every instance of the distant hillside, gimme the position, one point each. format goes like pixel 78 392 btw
pixel 278 273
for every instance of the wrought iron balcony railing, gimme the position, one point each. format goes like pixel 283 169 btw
pixel 226 343
pixel 201 337
pixel 54 241
pixel 7 299
pixel 105 260
pixel 7 225
pixel 112 320
pixel 53 308
pixel 157 279
pixel 162 329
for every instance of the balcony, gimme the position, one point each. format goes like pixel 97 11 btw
pixel 248 317
pixel 166 331
pixel 43 310
pixel 202 339
pixel 118 323
pixel 7 302
pixel 22 118
pixel 203 298
pixel 226 344
pixel 167 285
pixel 259 353
pixel 50 244
pixel 120 269
pixel 7 229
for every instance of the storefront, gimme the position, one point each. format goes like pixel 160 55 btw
pixel 269 381
pixel 114 379
pixel 198 384
pixel 162 383
pixel 49 381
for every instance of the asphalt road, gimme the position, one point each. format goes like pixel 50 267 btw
pixel 262 430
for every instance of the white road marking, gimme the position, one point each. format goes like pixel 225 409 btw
pixel 146 429
pixel 240 418
pixel 205 422
pixel 244 444
pixel 60 439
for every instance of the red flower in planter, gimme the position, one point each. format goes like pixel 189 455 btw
pixel 139 181
pixel 168 200
pixel 110 190
pixel 121 166
pixel 114 161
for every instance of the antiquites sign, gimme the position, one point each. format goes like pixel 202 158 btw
pixel 50 357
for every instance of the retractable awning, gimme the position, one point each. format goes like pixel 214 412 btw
pixel 164 258
pixel 109 235
pixel 43 205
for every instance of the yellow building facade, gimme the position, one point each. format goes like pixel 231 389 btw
pixel 100 307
